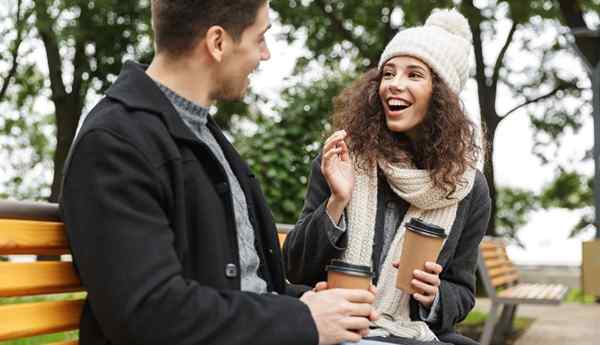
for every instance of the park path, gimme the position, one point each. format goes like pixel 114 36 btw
pixel 566 324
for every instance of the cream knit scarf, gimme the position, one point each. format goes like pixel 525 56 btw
pixel 426 202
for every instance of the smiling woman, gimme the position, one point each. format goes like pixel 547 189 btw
pixel 404 149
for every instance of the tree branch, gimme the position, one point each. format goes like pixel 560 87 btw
pixel 485 93
pixel 43 24
pixel 572 12
pixel 14 51
pixel 80 64
pixel 561 86
pixel 500 59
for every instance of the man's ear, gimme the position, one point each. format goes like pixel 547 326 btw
pixel 217 42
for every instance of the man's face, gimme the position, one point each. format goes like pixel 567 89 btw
pixel 245 57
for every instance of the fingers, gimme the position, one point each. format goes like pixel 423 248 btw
pixel 428 278
pixel 352 337
pixel 336 144
pixel 356 296
pixel 320 286
pixel 427 282
pixel 355 323
pixel 373 289
pixel 424 287
pixel 334 139
pixel 424 300
pixel 433 267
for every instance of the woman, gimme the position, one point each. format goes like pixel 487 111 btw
pixel 404 149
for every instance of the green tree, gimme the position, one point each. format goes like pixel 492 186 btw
pixel 85 44
pixel 355 32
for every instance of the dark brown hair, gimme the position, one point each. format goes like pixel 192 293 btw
pixel 446 144
pixel 179 24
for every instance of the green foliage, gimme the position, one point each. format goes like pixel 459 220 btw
pixel 280 151
pixel 514 205
pixel 44 339
pixel 86 43
pixel 578 296
pixel 572 191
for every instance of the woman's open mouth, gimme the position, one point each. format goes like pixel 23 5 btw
pixel 397 106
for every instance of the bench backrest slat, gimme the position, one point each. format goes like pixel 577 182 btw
pixel 37 278
pixel 26 320
pixel 32 237
pixel 495 265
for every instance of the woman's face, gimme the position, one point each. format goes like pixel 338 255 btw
pixel 405 91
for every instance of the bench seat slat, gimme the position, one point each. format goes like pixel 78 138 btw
pixel 32 237
pixel 31 319
pixel 535 293
pixel 37 278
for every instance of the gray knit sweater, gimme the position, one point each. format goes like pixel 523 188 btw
pixel 196 117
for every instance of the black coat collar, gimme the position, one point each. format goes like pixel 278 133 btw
pixel 136 90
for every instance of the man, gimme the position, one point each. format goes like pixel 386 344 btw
pixel 169 230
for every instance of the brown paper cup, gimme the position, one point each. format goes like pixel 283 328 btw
pixel 342 275
pixel 420 245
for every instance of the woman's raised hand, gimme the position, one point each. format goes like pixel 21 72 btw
pixel 338 171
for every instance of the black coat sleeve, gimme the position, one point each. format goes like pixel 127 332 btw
pixel 458 279
pixel 308 248
pixel 123 248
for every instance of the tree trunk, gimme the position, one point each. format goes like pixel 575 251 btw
pixel 67 105
pixel 491 179
pixel 67 118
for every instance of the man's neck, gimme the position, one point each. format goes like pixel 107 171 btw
pixel 188 80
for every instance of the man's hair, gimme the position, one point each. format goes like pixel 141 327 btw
pixel 179 24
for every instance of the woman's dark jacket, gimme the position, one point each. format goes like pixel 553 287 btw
pixel 149 217
pixel 308 248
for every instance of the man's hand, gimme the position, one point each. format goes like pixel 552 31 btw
pixel 340 314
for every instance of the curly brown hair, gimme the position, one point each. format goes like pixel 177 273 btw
pixel 446 144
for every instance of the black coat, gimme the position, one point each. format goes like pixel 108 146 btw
pixel 150 222
pixel 308 249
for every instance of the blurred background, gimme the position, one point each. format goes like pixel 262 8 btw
pixel 530 90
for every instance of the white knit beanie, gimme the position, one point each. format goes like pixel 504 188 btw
pixel 444 43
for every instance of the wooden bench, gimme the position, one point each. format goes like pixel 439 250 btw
pixel 35 229
pixel 501 281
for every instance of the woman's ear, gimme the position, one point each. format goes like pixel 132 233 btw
pixel 217 43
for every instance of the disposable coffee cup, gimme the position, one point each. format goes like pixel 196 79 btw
pixel 342 275
pixel 422 243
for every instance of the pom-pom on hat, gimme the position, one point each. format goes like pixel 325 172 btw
pixel 444 43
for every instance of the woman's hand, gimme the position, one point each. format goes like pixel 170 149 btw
pixel 427 282
pixel 338 171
